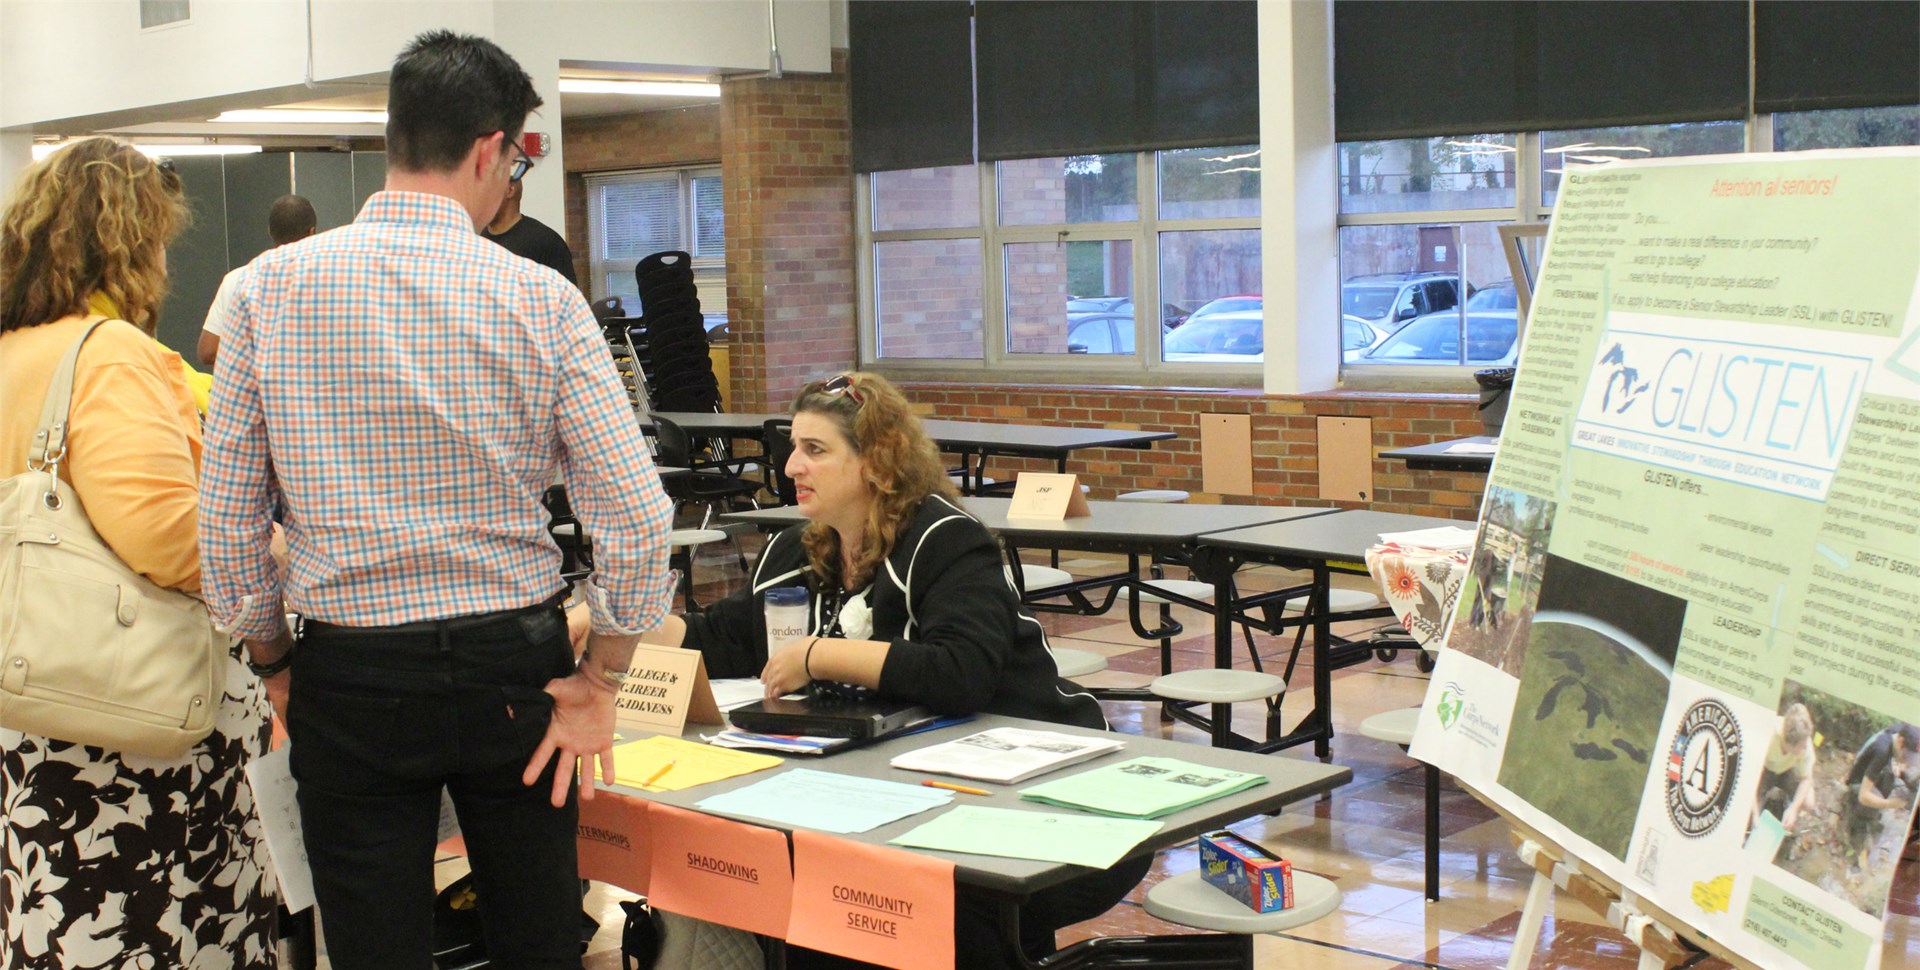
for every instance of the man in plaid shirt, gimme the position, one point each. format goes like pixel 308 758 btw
pixel 402 392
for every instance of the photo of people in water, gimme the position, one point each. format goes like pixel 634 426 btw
pixel 1836 795
pixel 1593 686
pixel 1497 597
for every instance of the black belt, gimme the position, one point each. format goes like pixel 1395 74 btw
pixel 450 624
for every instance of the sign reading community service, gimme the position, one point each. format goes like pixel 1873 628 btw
pixel 1686 646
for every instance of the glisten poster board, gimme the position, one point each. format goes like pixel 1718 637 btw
pixel 1688 648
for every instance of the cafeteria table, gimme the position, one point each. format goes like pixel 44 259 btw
pixel 1011 881
pixel 1437 457
pixel 1338 541
pixel 973 441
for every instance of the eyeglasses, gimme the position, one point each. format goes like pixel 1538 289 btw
pixel 843 384
pixel 521 165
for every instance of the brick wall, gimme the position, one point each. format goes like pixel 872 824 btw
pixel 789 206
pixel 611 143
pixel 1285 447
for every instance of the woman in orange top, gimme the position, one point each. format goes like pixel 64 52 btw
pixel 112 860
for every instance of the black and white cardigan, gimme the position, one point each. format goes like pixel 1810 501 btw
pixel 960 643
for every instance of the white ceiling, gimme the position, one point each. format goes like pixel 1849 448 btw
pixel 373 97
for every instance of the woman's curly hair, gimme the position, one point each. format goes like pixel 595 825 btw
pixel 902 468
pixel 93 217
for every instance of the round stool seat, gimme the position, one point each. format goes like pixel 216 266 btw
pixel 682 538
pixel 1189 900
pixel 1153 495
pixel 1395 727
pixel 1338 601
pixel 1211 685
pixel 1189 588
pixel 1077 663
pixel 1039 577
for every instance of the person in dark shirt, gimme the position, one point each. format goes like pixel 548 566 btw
pixel 1877 768
pixel 908 597
pixel 526 236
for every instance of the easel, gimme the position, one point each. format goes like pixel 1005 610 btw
pixel 1646 925
pixel 1660 947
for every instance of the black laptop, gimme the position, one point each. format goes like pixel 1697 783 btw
pixel 862 717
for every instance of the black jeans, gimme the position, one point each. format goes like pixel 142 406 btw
pixel 381 719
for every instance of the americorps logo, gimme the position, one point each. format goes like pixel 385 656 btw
pixel 1772 411
pixel 1703 767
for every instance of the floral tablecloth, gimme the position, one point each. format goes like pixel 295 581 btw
pixel 1421 584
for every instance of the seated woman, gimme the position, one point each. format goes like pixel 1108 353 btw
pixel 909 598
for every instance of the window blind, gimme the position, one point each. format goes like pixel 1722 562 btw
pixel 910 81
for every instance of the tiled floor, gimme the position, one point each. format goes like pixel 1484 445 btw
pixel 1366 836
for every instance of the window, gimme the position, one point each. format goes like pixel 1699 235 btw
pixel 632 215
pixel 1847 128
pixel 1424 282
pixel 1087 262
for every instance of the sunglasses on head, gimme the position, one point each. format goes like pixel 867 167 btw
pixel 843 384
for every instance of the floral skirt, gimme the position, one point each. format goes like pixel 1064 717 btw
pixel 120 861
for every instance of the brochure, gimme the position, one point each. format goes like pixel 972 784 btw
pixel 1142 787
pixel 1006 755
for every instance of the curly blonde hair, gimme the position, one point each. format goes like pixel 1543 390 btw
pixel 94 217
pixel 902 468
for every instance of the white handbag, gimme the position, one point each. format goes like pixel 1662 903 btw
pixel 91 651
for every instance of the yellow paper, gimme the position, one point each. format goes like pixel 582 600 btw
pixel 691 764
pixel 1712 896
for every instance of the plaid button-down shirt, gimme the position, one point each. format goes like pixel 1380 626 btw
pixel 404 391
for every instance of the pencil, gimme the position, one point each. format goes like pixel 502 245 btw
pixel 962 789
pixel 656 775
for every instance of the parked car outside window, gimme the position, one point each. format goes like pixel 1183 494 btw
pixel 1493 330
pixel 1389 300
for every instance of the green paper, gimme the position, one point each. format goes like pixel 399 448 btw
pixel 1142 788
pixel 1010 833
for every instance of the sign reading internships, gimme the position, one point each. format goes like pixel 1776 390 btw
pixel 720 871
pixel 871 903
pixel 1685 644
pixel 1045 495
pixel 666 687
pixel 613 840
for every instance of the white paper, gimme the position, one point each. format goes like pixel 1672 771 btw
pixel 732 692
pixel 1472 448
pixel 274 791
pixel 1442 537
pixel 1005 754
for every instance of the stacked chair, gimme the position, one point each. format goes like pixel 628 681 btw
pixel 679 370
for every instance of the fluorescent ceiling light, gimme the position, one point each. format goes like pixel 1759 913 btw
pixel 670 89
pixel 298 116
pixel 161 151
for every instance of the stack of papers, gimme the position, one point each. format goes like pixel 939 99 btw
pixel 732 692
pixel 1142 787
pixel 1006 755
pixel 666 763
pixel 783 743
pixel 1473 448
pixel 1009 833
pixel 827 801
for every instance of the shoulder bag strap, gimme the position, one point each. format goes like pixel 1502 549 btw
pixel 50 435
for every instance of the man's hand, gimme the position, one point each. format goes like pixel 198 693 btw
pixel 279 689
pixel 579 626
pixel 581 729
pixel 272 651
